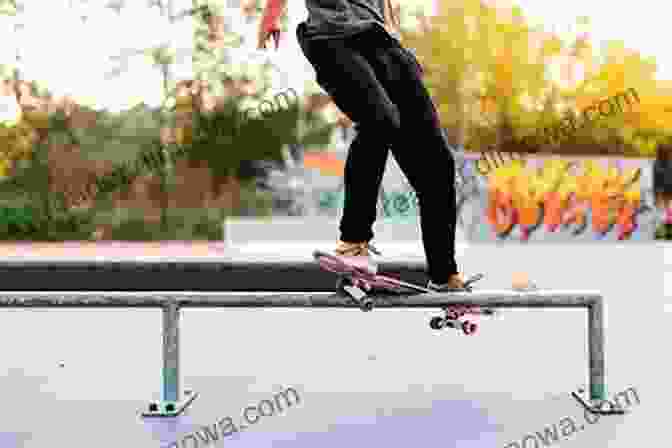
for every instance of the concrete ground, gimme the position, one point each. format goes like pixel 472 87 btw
pixel 77 378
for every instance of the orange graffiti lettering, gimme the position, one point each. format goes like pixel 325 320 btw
pixel 521 196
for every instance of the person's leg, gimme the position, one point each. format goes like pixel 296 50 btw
pixel 368 78
pixel 346 75
pixel 424 157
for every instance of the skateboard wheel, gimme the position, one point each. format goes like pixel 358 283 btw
pixel 340 284
pixel 366 304
pixel 454 324
pixel 469 327
pixel 452 314
pixel 436 323
pixel 340 292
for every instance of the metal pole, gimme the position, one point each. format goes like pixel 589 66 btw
pixel 596 349
pixel 171 352
pixel 172 405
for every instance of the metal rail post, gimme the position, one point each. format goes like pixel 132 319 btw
pixel 172 404
pixel 596 349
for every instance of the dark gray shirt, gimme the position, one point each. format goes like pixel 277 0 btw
pixel 329 19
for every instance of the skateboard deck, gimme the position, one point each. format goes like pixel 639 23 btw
pixel 358 279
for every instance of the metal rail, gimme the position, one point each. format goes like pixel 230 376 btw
pixel 170 302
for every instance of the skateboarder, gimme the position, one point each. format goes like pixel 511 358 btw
pixel 354 47
pixel 662 187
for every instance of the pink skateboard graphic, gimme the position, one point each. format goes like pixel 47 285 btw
pixel 358 277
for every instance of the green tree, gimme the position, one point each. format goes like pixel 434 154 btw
pixel 221 136
pixel 125 137
pixel 483 71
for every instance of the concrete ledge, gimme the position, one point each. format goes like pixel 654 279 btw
pixel 228 274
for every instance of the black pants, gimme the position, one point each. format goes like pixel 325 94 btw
pixel 378 85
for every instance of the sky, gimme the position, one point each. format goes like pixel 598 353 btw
pixel 638 24
pixel 72 57
pixel 84 71
pixel 641 24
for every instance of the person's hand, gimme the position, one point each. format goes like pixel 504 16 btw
pixel 265 32
pixel 270 23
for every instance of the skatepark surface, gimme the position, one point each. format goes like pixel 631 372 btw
pixel 78 378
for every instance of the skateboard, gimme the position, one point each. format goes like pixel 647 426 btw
pixel 359 281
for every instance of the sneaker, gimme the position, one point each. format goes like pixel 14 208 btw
pixel 359 255
pixel 355 249
pixel 456 283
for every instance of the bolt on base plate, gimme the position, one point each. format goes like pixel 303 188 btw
pixel 598 406
pixel 170 408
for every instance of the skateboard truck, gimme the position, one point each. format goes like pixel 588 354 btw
pixel 452 314
pixel 597 406
pixel 352 281
pixel 356 293
pixel 439 323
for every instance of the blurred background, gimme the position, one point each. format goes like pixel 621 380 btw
pixel 88 89
pixel 502 73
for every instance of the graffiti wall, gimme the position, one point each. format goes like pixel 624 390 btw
pixel 561 199
pixel 537 199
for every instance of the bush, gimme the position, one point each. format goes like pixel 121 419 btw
pixel 66 227
pixel 253 201
pixel 182 224
pixel 664 232
pixel 17 223
pixel 209 229
pixel 135 229
pixel 26 223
